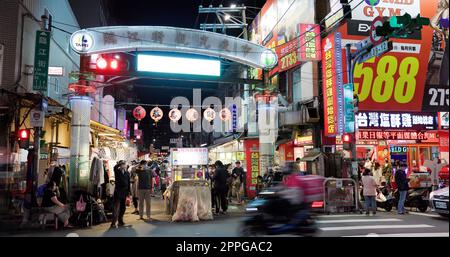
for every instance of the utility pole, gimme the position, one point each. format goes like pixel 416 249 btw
pixel 232 17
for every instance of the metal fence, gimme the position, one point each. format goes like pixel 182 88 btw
pixel 340 195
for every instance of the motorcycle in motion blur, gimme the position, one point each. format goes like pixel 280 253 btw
pixel 272 214
pixel 284 209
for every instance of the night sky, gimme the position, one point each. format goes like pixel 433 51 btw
pixel 179 13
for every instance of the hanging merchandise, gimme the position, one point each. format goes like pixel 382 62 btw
pixel 156 114
pixel 192 115
pixel 209 114
pixel 174 115
pixel 225 114
pixel 139 113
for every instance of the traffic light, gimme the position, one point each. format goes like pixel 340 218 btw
pixel 347 142
pixel 400 21
pixel 402 26
pixel 24 138
pixel 111 64
pixel 385 30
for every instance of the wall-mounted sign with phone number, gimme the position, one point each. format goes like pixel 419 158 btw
pixel 389 82
pixel 396 80
pixel 436 98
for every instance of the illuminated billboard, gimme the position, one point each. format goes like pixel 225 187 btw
pixel 410 77
pixel 177 65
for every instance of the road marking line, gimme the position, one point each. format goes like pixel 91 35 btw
pixel 356 220
pixel 425 214
pixel 375 227
pixel 340 215
pixel 444 234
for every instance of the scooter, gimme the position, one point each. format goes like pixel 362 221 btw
pixel 268 211
pixel 384 199
pixel 416 197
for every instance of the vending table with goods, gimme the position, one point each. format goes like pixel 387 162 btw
pixel 190 193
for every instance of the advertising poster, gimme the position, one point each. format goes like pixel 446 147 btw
pixel 402 79
pixel 332 85
pixel 251 147
pixel 310 42
pixel 277 26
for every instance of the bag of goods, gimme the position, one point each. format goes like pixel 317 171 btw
pixel 187 205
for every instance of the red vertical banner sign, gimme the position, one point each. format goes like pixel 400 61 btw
pixel 310 47
pixel 329 85
pixel 251 147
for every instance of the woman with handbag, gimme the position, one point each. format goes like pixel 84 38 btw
pixel 51 204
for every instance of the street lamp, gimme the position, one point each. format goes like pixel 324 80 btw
pixel 227 17
pixel 232 5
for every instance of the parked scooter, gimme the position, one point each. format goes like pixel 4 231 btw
pixel 416 197
pixel 270 210
pixel 384 199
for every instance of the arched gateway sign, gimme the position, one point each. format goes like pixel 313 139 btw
pixel 171 39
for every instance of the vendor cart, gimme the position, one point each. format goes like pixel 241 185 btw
pixel 189 195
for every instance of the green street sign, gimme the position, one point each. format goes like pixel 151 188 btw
pixel 41 56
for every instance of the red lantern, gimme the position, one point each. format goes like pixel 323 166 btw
pixel 139 113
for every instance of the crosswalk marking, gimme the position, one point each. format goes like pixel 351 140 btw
pixel 375 227
pixel 340 216
pixel 425 214
pixel 444 234
pixel 355 220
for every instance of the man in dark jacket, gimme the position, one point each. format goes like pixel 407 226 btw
pixel 121 191
pixel 220 186
pixel 238 179
pixel 145 185
pixel 402 185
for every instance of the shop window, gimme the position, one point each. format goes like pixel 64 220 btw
pixel 434 152
pixel 296 90
pixel 424 154
pixel 282 83
pixel 413 156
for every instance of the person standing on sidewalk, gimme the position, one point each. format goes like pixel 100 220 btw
pixel 145 183
pixel 121 191
pixel 220 185
pixel 402 186
pixel 238 177
pixel 134 187
pixel 369 192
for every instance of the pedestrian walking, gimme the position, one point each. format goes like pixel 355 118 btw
pixel 369 192
pixel 220 185
pixel 134 187
pixel 211 174
pixel 238 178
pixel 122 190
pixel 402 186
pixel 145 185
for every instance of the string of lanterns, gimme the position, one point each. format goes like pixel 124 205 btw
pixel 175 114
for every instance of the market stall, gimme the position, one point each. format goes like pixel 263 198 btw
pixel 189 196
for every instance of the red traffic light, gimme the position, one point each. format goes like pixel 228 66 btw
pixel 114 64
pixel 24 134
pixel 111 64
pixel 346 138
pixel 101 63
